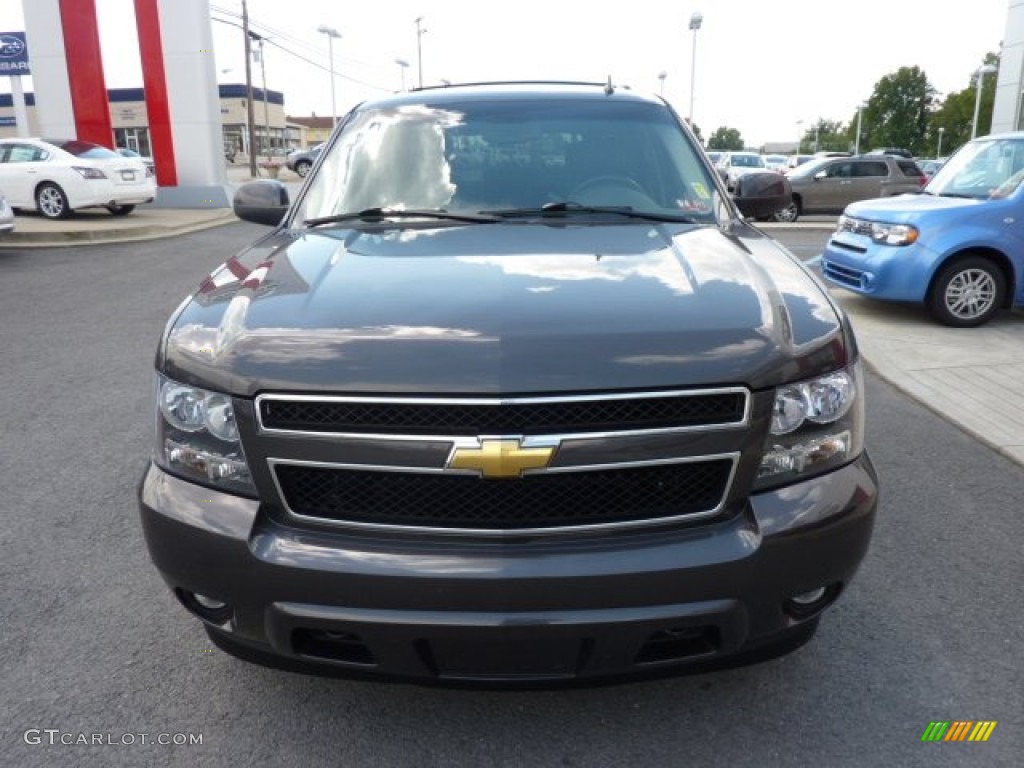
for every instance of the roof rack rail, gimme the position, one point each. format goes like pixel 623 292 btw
pixel 519 82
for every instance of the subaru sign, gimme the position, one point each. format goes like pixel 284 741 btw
pixel 13 54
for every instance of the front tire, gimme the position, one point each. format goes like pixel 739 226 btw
pixel 967 293
pixel 789 214
pixel 120 210
pixel 51 201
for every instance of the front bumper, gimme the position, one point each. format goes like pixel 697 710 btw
pixel 893 273
pixel 548 608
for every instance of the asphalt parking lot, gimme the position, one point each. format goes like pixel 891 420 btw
pixel 93 644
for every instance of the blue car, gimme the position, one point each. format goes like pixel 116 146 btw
pixel 958 246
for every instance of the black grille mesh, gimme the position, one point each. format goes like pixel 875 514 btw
pixel 439 418
pixel 533 501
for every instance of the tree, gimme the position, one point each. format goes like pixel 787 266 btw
pixel 727 139
pixel 956 112
pixel 897 113
pixel 696 131
pixel 825 135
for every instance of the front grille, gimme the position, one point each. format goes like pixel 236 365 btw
pixel 840 274
pixel 511 417
pixel 544 500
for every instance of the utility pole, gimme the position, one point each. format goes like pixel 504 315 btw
pixel 250 120
pixel 266 109
pixel 420 30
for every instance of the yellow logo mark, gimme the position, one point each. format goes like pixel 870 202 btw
pixel 501 458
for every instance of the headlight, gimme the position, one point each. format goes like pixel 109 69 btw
pixel 197 437
pixel 816 426
pixel 893 234
pixel 880 232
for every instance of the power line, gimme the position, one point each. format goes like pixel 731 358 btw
pixel 295 41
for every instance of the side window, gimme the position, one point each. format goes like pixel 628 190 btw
pixel 909 168
pixel 870 168
pixel 839 171
pixel 23 153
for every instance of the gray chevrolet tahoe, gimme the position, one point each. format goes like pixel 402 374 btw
pixel 509 393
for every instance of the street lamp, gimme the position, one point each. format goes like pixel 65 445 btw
pixel 695 21
pixel 938 150
pixel 331 33
pixel 856 140
pixel 985 69
pixel 420 31
pixel 662 76
pixel 799 135
pixel 402 65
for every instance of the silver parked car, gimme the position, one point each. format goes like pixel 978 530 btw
pixel 6 216
pixel 829 184
pixel 732 165
pixel 301 160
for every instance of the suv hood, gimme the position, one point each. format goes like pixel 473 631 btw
pixel 510 308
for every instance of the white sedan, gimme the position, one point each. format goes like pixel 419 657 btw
pixel 56 177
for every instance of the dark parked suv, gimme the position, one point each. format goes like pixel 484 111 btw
pixel 511 392
pixel 828 185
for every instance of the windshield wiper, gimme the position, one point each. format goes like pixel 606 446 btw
pixel 381 214
pixel 568 208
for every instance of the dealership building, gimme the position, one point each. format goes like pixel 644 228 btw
pixel 272 130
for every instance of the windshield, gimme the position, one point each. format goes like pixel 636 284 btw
pixel 981 169
pixel 506 154
pixel 811 167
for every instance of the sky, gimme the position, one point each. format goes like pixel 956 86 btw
pixel 762 66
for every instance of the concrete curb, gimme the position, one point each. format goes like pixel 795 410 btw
pixel 69 235
pixel 967 376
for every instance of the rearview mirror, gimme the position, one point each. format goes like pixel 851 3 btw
pixel 263 202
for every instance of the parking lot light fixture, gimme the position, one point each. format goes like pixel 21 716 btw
pixel 402 65
pixel 331 33
pixel 661 77
pixel 938 150
pixel 420 31
pixel 695 21
pixel 985 69
pixel 856 139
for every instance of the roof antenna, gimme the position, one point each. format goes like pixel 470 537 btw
pixel 609 89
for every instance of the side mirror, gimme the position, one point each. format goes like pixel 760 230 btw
pixel 262 202
pixel 760 195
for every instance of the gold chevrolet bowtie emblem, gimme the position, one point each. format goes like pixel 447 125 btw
pixel 500 458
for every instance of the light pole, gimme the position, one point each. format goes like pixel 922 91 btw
pixel 985 69
pixel 662 76
pixel 420 31
pixel 938 150
pixel 331 33
pixel 402 65
pixel 856 140
pixel 799 135
pixel 695 21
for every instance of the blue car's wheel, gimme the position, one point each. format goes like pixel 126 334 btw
pixel 967 292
